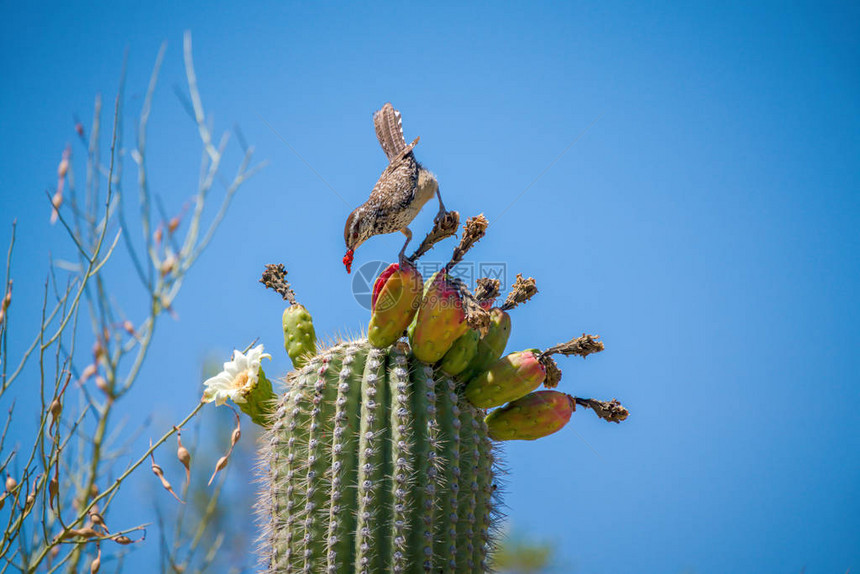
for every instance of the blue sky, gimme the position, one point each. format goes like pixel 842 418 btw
pixel 681 179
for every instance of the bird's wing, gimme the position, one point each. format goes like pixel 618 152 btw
pixel 389 131
pixel 397 183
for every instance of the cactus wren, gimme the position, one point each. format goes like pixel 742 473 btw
pixel 402 190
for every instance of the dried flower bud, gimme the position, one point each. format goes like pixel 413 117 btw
pixel 473 231
pixel 124 540
pixel 553 373
pixel 521 291
pixel 275 278
pixel 487 290
pixel 444 226
pixel 582 346
pixel 476 316
pixel 158 234
pixel 173 224
pixel 11 484
pixel 128 327
pixel 610 411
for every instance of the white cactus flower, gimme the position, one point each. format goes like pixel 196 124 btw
pixel 238 378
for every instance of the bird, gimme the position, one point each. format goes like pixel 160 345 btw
pixel 404 187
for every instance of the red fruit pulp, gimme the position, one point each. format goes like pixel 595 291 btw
pixel 347 260
pixel 380 283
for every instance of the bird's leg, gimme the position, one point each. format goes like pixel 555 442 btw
pixel 442 210
pixel 402 257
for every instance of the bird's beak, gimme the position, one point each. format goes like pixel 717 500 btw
pixel 347 260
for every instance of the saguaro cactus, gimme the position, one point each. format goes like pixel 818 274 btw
pixel 379 457
pixel 375 463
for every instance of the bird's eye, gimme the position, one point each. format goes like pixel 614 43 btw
pixel 355 234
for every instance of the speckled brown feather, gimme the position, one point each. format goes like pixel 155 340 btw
pixel 389 131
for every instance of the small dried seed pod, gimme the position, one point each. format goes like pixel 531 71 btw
pixel 219 466
pixel 97 563
pixel 157 471
pixel 183 455
pixel 85 532
pixel 56 409
pixel 97 519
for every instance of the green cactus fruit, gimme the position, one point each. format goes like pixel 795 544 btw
pixel 300 339
pixel 461 353
pixel 374 463
pixel 492 345
pixel 440 320
pixel 531 417
pixel 508 379
pixel 396 297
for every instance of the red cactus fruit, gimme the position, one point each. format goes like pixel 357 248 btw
pixel 531 417
pixel 395 300
pixel 441 320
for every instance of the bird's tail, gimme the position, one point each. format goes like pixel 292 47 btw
pixel 389 131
